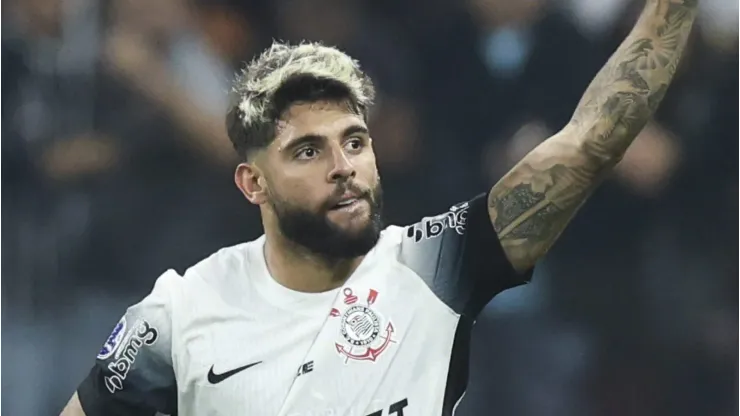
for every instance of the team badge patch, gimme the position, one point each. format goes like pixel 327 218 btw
pixel 114 340
pixel 364 334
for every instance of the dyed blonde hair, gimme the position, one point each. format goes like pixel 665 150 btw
pixel 285 74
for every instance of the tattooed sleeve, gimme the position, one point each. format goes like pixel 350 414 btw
pixel 532 204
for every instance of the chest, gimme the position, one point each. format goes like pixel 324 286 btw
pixel 372 346
pixel 229 361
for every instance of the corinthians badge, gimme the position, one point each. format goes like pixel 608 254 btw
pixel 365 337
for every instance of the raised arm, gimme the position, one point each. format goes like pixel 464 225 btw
pixel 532 204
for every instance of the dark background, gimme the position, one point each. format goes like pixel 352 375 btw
pixel 115 167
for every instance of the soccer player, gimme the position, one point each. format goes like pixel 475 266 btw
pixel 329 313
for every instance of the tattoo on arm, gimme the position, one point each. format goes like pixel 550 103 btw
pixel 531 206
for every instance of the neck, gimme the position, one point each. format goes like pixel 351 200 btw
pixel 297 269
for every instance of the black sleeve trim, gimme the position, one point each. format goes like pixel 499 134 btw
pixel 484 260
pixel 96 400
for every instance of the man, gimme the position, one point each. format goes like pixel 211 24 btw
pixel 326 313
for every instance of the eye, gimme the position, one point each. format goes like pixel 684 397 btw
pixel 354 144
pixel 306 153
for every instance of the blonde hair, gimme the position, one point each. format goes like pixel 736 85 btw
pixel 307 71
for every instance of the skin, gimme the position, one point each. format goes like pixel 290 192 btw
pixel 529 207
pixel 318 146
pixel 532 204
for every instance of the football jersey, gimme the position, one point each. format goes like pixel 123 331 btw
pixel 226 339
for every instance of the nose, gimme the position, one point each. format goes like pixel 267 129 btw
pixel 342 168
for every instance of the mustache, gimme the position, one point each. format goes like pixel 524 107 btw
pixel 341 189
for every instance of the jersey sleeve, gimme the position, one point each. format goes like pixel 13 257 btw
pixel 133 373
pixel 459 256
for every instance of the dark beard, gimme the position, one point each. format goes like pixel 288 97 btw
pixel 319 236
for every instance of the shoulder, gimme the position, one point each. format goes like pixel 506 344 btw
pixel 223 263
pixel 222 276
pixel 424 239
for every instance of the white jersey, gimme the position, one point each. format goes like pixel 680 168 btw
pixel 226 339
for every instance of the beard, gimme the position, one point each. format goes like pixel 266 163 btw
pixel 320 236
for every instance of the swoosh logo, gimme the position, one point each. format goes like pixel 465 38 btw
pixel 214 378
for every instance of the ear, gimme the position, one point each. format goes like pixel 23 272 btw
pixel 251 181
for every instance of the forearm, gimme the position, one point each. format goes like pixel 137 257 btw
pixel 531 205
pixel 627 91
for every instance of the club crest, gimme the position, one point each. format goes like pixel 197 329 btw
pixel 364 334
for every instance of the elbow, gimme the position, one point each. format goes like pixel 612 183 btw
pixel 607 140
pixel 604 148
pixel 596 154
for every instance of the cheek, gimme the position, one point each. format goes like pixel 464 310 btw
pixel 367 169
pixel 298 191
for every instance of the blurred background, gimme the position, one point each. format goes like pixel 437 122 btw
pixel 116 166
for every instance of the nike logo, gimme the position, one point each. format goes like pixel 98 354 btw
pixel 214 378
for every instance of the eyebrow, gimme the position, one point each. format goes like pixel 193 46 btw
pixel 354 129
pixel 317 138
